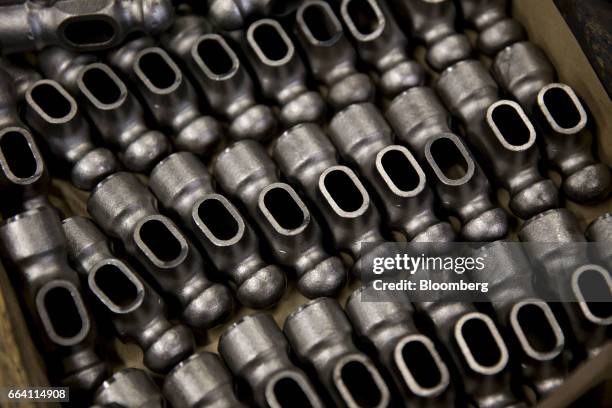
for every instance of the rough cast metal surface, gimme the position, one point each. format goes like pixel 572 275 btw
pixel 307 158
pixel 201 381
pixel 138 313
pixel 182 185
pixel 256 351
pixel 501 133
pixel 168 93
pixel 34 244
pixel 245 172
pixel 411 357
pixel 600 231
pixel 126 210
pixel 30 25
pixel 230 15
pixel 55 116
pixel 320 335
pixel 112 108
pixel 129 387
pixel 382 45
pixel 364 139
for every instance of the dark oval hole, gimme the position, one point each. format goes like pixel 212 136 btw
pixel 51 101
pixel 536 326
pixel 63 312
pixel 361 385
pixel 363 16
pixel 156 69
pixel 101 85
pixel 343 190
pixel 421 364
pixel 596 292
pixel 113 282
pixel 562 108
pixel 511 125
pixel 400 170
pixel 18 154
pixel 270 42
pixel 160 240
pixel 449 159
pixel 215 56
pixel 89 32
pixel 289 394
pixel 319 23
pixel 283 208
pixel 218 219
pixel 481 343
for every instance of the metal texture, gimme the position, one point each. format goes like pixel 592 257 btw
pixel 113 109
pixel 80 25
pixel 433 24
pixel 129 387
pixel 281 73
pixel 501 133
pixel 306 156
pixel 320 335
pixel 230 15
pixel 331 56
pixel 138 313
pixel 534 330
pixel 382 45
pixel 55 116
pixel 125 209
pixel 34 245
pixel 600 231
pixel 564 260
pixel 524 71
pixel 257 352
pixel 201 381
pixel 182 185
pixel 168 93
pixel 22 75
pixel 409 356
pixel 364 139
pixel 245 172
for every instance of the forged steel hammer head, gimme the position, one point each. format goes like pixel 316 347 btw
pixel 136 310
pixel 256 351
pixel 54 115
pixel 245 172
pixel 600 231
pixel 125 209
pixel 320 335
pixel 129 387
pixel 183 185
pixel 201 381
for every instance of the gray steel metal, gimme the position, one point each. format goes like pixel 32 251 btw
pixel 331 56
pixel 382 45
pixel 34 245
pixel 182 184
pixel 502 134
pixel 138 313
pixel 524 71
pixel 257 352
pixel 201 381
pixel 231 15
pixel 168 93
pixel 125 209
pixel 245 172
pixel 433 23
pixel 306 156
pixel 410 357
pixel 281 73
pixel 364 139
pixel 23 76
pixel 600 231
pixel 221 76
pixel 80 25
pixel 129 387
pixel 320 335
pixel 113 109
pixel 55 116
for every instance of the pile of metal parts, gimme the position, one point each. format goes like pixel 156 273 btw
pixel 228 144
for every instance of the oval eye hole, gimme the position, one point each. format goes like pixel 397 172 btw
pixel 289 394
pixel 595 290
pixel 51 101
pixel 116 286
pixel 537 329
pixel 283 208
pixel 101 86
pixel 89 32
pixel 160 240
pixel 363 16
pixel 342 190
pixel 418 360
pixel 270 42
pixel 322 25
pixel 562 107
pixel 63 313
pixel 449 158
pixel 360 384
pixel 157 69
pixel 511 125
pixel 18 154
pixel 400 170
pixel 215 56
pixel 481 343
pixel 217 218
